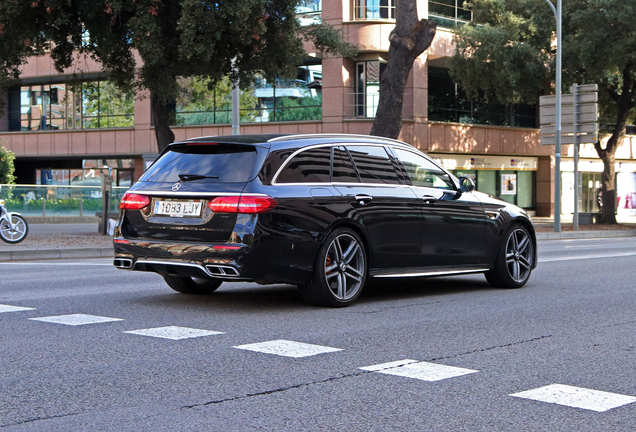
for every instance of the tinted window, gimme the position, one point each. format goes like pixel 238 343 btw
pixel 223 163
pixel 373 164
pixel 343 170
pixel 423 172
pixel 309 166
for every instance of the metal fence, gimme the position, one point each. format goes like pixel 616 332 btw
pixel 49 200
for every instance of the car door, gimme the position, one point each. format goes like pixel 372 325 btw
pixel 367 178
pixel 453 222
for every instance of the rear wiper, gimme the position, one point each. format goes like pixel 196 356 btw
pixel 190 177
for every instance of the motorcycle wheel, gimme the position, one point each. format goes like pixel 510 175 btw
pixel 19 231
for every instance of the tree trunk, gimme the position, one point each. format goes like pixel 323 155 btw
pixel 163 117
pixel 408 40
pixel 625 104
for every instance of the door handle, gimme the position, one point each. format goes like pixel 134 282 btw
pixel 362 198
pixel 429 199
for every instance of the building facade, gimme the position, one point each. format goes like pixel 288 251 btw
pixel 66 128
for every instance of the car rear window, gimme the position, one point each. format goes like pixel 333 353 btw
pixel 220 163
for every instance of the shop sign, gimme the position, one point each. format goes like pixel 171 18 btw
pixel 509 184
pixel 513 163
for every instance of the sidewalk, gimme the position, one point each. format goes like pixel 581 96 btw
pixel 55 241
pixel 81 240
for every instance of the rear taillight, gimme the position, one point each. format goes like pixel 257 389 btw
pixel 242 204
pixel 132 201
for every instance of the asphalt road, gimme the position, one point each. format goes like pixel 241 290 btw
pixel 574 324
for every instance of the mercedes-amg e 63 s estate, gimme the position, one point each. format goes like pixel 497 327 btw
pixel 324 212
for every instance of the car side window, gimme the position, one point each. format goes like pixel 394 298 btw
pixel 373 164
pixel 309 166
pixel 423 172
pixel 343 170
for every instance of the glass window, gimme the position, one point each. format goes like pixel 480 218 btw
pixel 525 189
pixel 448 102
pixel 449 13
pixel 309 166
pixel 78 105
pixel 367 90
pixel 373 164
pixel 268 100
pixel 423 172
pixel 343 170
pixel 487 181
pixel 221 163
pixel 309 12
pixel 374 9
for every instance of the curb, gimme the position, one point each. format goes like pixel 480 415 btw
pixel 563 235
pixel 46 254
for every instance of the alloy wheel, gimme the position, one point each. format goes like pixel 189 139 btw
pixel 344 267
pixel 519 255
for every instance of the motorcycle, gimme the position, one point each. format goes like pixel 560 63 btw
pixel 13 227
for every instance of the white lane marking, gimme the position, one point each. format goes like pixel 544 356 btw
pixel 577 397
pixel 76 319
pixel 174 332
pixel 582 257
pixel 424 371
pixel 7 308
pixel 288 348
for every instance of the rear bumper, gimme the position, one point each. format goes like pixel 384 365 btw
pixel 226 261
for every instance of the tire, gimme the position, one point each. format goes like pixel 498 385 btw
pixel 16 235
pixel 188 285
pixel 340 271
pixel 513 264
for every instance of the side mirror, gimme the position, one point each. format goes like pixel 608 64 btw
pixel 466 184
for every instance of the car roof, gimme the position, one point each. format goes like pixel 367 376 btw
pixel 284 140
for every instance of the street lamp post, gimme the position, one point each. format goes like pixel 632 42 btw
pixel 557 151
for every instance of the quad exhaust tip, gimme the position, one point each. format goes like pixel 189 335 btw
pixel 226 271
pixel 123 263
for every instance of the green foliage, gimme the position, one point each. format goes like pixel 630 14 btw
pixel 7 167
pixel 329 40
pixel 508 54
pixel 298 109
pixel 113 105
pixel 512 50
pixel 173 38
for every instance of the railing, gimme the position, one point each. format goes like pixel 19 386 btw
pixel 48 200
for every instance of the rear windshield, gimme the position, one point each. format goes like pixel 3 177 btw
pixel 218 163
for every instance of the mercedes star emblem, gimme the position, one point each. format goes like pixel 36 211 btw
pixel 176 186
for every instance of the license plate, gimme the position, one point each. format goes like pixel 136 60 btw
pixel 178 208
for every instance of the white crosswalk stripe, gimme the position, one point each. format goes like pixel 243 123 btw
pixel 288 348
pixel 174 332
pixel 8 308
pixel 577 397
pixel 424 371
pixel 76 319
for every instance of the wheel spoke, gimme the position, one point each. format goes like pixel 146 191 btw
pixel 515 271
pixel 331 275
pixel 338 249
pixel 524 262
pixel 523 244
pixel 356 271
pixel 342 286
pixel 350 253
pixel 352 276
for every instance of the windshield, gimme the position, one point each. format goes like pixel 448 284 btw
pixel 205 163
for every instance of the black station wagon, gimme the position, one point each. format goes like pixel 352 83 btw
pixel 324 212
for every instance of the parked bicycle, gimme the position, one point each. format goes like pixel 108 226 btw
pixel 13 227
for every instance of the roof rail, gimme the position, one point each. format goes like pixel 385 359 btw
pixel 333 135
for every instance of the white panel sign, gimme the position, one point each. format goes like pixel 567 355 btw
pixel 513 163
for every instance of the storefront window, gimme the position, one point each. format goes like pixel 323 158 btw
pixel 83 105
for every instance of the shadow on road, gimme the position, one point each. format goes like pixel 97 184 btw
pixel 252 298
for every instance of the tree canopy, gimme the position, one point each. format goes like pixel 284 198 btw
pixel 7 167
pixel 510 52
pixel 173 38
